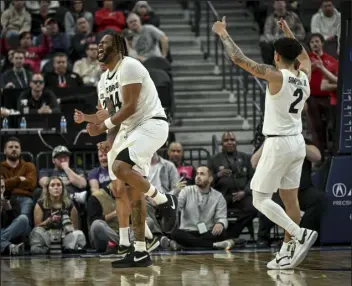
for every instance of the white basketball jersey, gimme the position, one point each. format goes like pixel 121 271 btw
pixel 283 110
pixel 110 92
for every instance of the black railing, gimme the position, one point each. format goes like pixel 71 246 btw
pixel 214 144
pixel 213 16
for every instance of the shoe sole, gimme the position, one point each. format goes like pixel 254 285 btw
pixel 131 264
pixel 153 247
pixel 302 255
pixel 112 255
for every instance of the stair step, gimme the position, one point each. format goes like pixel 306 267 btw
pixel 228 122
pixel 242 146
pixel 191 102
pixel 215 115
pixel 197 135
pixel 206 107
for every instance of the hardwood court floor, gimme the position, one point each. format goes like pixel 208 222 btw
pixel 326 266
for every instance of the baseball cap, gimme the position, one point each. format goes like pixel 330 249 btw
pixel 59 150
pixel 49 20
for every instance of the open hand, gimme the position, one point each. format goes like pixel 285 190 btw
pixel 78 116
pixel 217 229
pixel 238 196
pixel 181 184
pixel 220 27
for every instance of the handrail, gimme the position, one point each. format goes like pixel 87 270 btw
pixel 214 144
pixel 210 9
pixel 213 10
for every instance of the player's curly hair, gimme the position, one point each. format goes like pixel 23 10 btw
pixel 288 48
pixel 119 43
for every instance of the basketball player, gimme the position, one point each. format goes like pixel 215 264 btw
pixel 122 202
pixel 127 86
pixel 284 149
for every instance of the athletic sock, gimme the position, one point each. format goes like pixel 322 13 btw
pixel 124 233
pixel 148 233
pixel 140 246
pixel 158 197
pixel 274 212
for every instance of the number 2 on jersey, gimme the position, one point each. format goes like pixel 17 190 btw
pixel 111 103
pixel 299 94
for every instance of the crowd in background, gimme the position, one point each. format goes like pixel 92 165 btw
pixel 46 44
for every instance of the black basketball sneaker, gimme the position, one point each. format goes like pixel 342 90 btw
pixel 133 259
pixel 168 212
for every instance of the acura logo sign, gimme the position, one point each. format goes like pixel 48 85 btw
pixel 339 190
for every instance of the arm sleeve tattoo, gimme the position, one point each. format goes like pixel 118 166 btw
pixel 237 56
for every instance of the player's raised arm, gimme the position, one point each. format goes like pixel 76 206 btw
pixel 303 58
pixel 263 71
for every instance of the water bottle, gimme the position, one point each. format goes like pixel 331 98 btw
pixel 24 103
pixel 5 123
pixel 23 123
pixel 63 125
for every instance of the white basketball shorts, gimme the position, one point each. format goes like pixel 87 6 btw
pixel 142 142
pixel 280 165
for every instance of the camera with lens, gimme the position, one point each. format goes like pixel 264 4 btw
pixel 56 241
pixel 66 222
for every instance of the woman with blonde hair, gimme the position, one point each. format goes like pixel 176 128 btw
pixel 56 222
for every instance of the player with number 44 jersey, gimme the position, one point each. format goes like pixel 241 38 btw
pixel 283 151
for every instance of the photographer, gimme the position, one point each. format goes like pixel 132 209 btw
pixel 56 222
pixel 232 175
pixel 13 224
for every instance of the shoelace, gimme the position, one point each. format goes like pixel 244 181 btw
pixel 291 247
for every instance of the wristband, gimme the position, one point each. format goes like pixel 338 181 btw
pixel 108 123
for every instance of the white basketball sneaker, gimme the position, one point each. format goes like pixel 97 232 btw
pixel 303 244
pixel 282 258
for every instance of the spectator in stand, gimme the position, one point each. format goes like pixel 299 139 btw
pixel 14 225
pixel 34 7
pixel 77 11
pixel 326 21
pixel 73 179
pixel 38 100
pixel 146 13
pixel 311 200
pixel 185 171
pixel 163 176
pixel 107 18
pixel 146 39
pixel 49 213
pixel 61 77
pixel 272 30
pixel 81 39
pixel 59 40
pixel 99 178
pixel 45 12
pixel 18 76
pixel 20 176
pixel 319 101
pixel 15 20
pixel 88 68
pixel 7 61
pixel 203 215
pixel 34 55
pixel 232 176
pixel 102 218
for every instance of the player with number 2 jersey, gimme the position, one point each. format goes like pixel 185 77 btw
pixel 284 150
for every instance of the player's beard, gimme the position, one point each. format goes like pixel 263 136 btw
pixel 107 55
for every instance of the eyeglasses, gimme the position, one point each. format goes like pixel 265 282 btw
pixel 38 81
